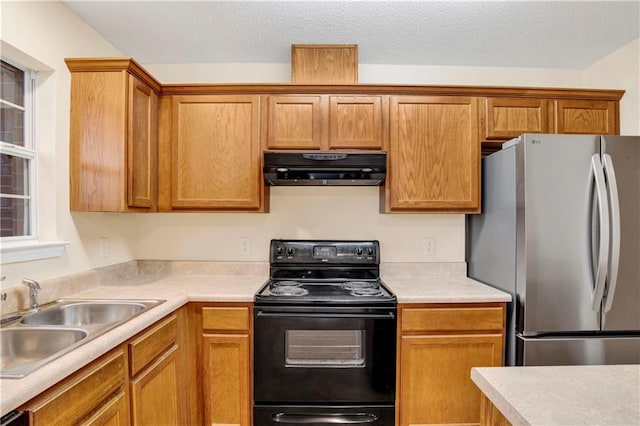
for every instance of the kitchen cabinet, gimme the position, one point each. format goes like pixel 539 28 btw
pixel 224 361
pixel 434 155
pixel 586 116
pixel 438 346
pixel 324 122
pixel 97 394
pixel 155 374
pixel 215 154
pixel 113 136
pixel 490 415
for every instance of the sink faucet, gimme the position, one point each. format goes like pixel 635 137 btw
pixel 34 289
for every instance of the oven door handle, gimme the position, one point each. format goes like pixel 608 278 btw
pixel 388 315
pixel 352 419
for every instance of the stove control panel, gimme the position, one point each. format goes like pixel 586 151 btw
pixel 325 252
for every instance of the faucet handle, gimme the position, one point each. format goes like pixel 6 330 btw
pixel 32 284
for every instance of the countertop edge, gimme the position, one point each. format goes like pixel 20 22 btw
pixel 496 398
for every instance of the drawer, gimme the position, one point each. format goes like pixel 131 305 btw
pixel 74 398
pixel 452 319
pixel 153 342
pixel 226 318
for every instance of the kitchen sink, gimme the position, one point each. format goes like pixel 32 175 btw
pixel 22 349
pixel 30 340
pixel 85 313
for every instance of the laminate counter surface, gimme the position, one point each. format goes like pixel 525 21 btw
pixel 563 395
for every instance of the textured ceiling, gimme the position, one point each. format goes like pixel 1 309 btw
pixel 546 34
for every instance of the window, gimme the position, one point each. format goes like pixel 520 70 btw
pixel 17 154
pixel 18 231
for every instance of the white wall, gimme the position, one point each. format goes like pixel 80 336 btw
pixel 47 32
pixel 40 35
pixel 620 70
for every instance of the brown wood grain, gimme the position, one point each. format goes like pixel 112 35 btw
pixel 355 122
pixel 490 415
pixel 226 379
pixel 80 394
pixel 225 318
pixel 583 116
pixel 155 398
pixel 152 343
pixel 115 412
pixel 294 122
pixel 508 118
pixel 324 63
pixel 165 133
pixel 216 153
pixel 113 64
pixel 452 319
pixel 434 154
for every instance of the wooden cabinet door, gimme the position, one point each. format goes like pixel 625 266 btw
pixel 226 379
pixel 216 153
pixel 583 116
pixel 115 412
pixel 154 392
pixel 507 118
pixel 294 122
pixel 355 122
pixel 142 138
pixel 435 384
pixel 434 154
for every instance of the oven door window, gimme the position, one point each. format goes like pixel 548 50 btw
pixel 325 348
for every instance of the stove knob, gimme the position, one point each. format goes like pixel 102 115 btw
pixel 279 250
pixel 370 251
pixel 359 251
pixel 290 251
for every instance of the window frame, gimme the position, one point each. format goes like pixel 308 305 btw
pixel 24 248
pixel 28 152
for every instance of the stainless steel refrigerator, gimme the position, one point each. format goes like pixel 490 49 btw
pixel 560 231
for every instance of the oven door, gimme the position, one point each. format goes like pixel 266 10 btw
pixel 281 415
pixel 324 355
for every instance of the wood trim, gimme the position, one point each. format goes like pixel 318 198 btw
pixel 490 415
pixel 225 318
pixel 379 89
pixel 113 64
pixel 152 343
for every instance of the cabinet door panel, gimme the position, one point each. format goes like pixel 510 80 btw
pixel 216 152
pixel 507 118
pixel 113 413
pixel 590 117
pixel 434 155
pixel 226 379
pixel 435 377
pixel 142 144
pixel 355 122
pixel 294 122
pixel 154 393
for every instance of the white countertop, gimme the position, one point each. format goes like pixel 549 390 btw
pixel 563 395
pixel 411 284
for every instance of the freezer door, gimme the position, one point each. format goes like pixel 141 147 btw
pixel 578 351
pixel 622 300
pixel 555 195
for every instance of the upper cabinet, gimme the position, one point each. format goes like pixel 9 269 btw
pixel 213 158
pixel 137 145
pixel 434 155
pixel 584 116
pixel 113 136
pixel 323 122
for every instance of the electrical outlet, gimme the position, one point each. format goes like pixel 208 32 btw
pixel 245 246
pixel 104 248
pixel 429 247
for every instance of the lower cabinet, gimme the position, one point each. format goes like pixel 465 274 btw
pixel 438 346
pixel 95 395
pixel 224 363
pixel 140 382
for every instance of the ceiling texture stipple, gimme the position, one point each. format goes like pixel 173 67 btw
pixel 539 34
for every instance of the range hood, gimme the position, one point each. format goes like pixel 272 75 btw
pixel 334 168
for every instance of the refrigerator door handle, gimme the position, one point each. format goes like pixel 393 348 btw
pixel 612 185
pixel 603 215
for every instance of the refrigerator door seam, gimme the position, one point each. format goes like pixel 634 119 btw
pixel 612 185
pixel 603 214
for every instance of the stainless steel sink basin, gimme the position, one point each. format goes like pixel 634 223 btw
pixel 85 313
pixel 21 349
pixel 30 340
